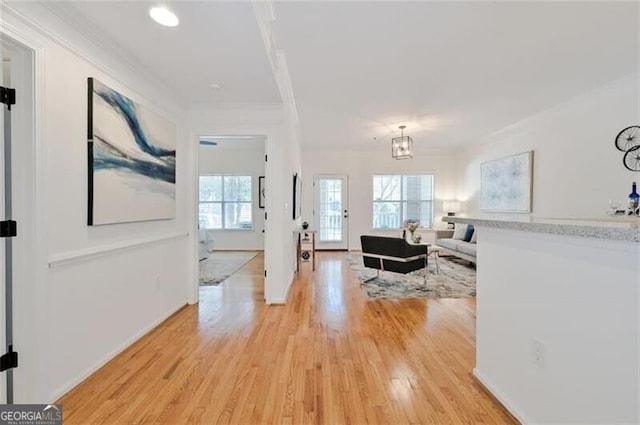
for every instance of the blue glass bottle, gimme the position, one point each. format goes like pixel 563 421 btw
pixel 634 200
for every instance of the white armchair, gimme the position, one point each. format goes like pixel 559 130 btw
pixel 205 245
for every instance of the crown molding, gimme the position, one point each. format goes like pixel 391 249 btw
pixel 67 15
pixel 265 17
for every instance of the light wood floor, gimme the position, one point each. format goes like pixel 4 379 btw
pixel 330 356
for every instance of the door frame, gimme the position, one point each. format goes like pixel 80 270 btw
pixel 29 200
pixel 327 244
pixel 193 296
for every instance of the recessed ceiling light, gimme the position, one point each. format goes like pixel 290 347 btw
pixel 215 86
pixel 164 16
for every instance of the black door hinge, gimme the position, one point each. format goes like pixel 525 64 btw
pixel 265 273
pixel 9 360
pixel 8 229
pixel 265 216
pixel 8 96
pixel 265 158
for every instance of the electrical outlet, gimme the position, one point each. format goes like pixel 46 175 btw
pixel 537 352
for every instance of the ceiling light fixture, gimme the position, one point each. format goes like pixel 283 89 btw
pixel 227 137
pixel 208 143
pixel 164 16
pixel 402 146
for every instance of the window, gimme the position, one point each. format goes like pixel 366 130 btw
pixel 225 202
pixel 397 198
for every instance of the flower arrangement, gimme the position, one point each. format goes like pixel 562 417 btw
pixel 411 225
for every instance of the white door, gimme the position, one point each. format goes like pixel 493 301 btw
pixel 331 211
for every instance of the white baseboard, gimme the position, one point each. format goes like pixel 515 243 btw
pixel 499 395
pixel 65 388
pixel 285 296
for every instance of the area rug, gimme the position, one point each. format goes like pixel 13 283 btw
pixel 457 279
pixel 219 265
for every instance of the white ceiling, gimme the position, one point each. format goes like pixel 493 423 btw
pixel 452 72
pixel 215 41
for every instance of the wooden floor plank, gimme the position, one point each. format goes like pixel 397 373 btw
pixel 330 355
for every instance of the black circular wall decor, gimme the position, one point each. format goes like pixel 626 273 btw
pixel 628 141
pixel 632 159
pixel 628 138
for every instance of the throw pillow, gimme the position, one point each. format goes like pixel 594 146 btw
pixel 474 238
pixel 468 234
pixel 459 231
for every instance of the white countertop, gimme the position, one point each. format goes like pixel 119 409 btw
pixel 625 228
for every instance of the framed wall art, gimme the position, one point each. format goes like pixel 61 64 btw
pixel 131 159
pixel 506 184
pixel 261 196
pixel 297 196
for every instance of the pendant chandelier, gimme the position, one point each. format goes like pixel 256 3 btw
pixel 401 147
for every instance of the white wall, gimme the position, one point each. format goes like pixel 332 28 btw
pixel 105 285
pixel 225 159
pixel 285 157
pixel 577 168
pixel 292 165
pixel 577 296
pixel 360 166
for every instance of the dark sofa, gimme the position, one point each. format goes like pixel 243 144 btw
pixel 392 254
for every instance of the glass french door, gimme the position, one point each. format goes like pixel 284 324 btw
pixel 331 211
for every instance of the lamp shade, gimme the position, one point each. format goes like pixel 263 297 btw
pixel 451 206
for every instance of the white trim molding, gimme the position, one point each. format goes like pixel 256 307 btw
pixel 498 395
pixel 282 300
pixel 72 257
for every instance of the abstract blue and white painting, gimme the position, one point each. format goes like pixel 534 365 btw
pixel 132 160
pixel 506 183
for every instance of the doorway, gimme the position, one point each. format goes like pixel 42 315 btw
pixel 331 211
pixel 231 212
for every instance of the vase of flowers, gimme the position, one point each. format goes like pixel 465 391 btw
pixel 411 226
